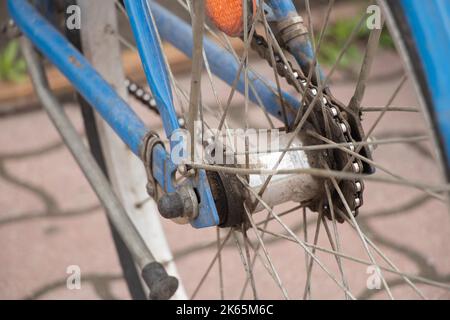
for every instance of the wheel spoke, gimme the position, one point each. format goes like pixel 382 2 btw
pixel 417 278
pixel 219 258
pixel 291 233
pixel 311 261
pixel 313 70
pixel 208 270
pixel 241 67
pixel 273 63
pixel 385 258
pixel 245 262
pixel 334 145
pixel 361 235
pixel 371 50
pixel 375 164
pixel 225 42
pixel 269 218
pixel 391 109
pixel 337 246
pixel 325 173
pixel 379 118
pixel 307 259
pixel 256 250
pixel 198 18
pixel 266 254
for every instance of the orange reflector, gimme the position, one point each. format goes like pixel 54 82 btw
pixel 227 15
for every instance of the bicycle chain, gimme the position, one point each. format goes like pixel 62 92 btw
pixel 142 95
pixel 340 130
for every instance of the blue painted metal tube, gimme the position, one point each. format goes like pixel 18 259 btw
pixel 429 22
pixel 282 9
pixel 80 73
pixel 153 61
pixel 301 47
pixel 152 58
pixel 222 63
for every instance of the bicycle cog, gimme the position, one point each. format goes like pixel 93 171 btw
pixel 330 119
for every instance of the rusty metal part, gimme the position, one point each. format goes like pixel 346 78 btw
pixel 181 205
pixel 149 142
pixel 262 154
pixel 290 29
pixel 229 196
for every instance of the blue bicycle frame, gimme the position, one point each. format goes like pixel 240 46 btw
pixel 130 128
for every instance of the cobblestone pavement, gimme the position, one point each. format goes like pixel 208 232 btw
pixel 50 218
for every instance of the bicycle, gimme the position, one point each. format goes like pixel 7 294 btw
pixel 324 159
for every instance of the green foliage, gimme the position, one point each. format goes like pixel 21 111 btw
pixel 336 37
pixel 12 66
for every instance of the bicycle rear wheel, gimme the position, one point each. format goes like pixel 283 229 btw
pixel 287 250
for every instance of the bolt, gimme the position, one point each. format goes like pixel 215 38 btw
pixel 171 206
pixel 180 204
